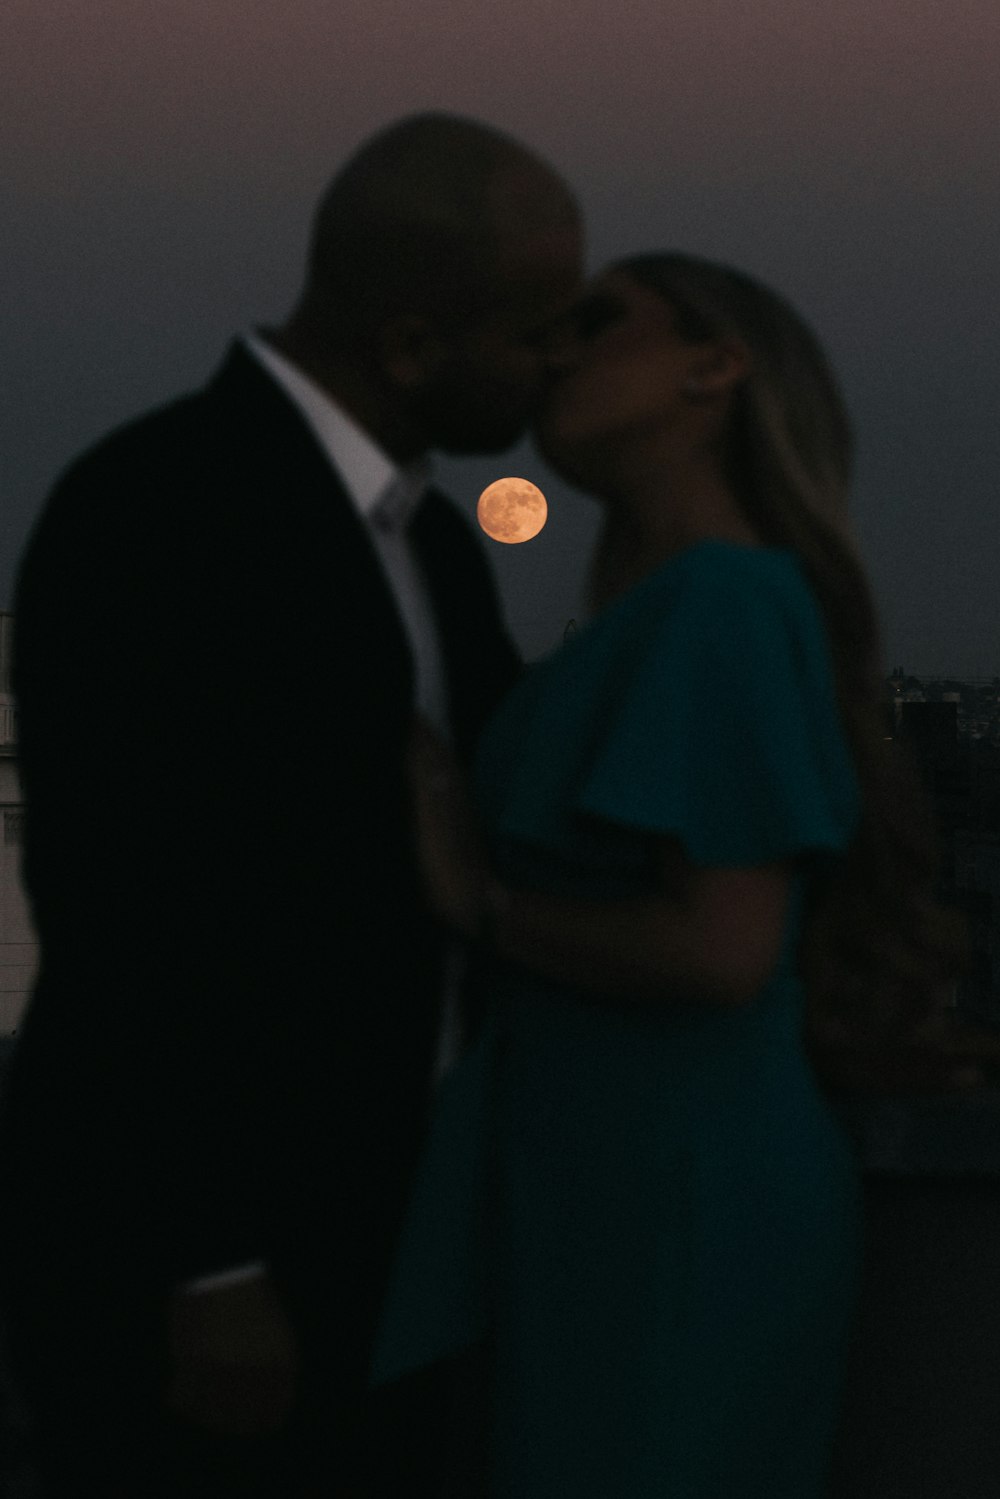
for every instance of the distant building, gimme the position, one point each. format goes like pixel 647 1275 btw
pixel 18 943
pixel 977 857
pixel 927 734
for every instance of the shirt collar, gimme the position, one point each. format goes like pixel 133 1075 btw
pixel 383 494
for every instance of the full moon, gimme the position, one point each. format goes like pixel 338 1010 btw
pixel 512 510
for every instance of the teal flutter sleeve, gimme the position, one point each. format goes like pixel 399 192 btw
pixel 725 730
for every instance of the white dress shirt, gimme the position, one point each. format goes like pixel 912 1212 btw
pixel 385 498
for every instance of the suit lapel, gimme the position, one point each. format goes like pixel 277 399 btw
pixel 340 570
pixel 432 543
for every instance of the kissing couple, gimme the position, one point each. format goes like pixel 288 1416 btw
pixel 441 1037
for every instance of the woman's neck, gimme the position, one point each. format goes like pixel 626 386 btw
pixel 650 524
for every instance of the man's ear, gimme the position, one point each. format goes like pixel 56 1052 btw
pixel 716 368
pixel 411 349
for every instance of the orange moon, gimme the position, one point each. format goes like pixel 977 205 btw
pixel 512 510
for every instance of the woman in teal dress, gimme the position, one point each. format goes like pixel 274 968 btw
pixel 634 1192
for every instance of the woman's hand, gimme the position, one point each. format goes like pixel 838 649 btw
pixel 449 843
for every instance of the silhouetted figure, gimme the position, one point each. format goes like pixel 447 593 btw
pixel 226 618
pixel 635 1190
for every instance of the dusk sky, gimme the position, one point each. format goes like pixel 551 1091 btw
pixel 162 161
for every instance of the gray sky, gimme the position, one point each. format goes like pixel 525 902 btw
pixel 161 164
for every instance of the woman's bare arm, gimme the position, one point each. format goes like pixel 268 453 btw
pixel 716 939
pixel 711 935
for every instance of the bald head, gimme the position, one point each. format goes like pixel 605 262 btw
pixel 424 216
pixel 441 254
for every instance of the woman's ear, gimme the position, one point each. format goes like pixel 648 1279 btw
pixel 717 368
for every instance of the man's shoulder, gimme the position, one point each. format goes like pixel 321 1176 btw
pixel 150 486
pixel 186 428
pixel 148 440
pixel 228 446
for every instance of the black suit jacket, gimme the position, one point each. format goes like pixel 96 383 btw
pixel 229 1049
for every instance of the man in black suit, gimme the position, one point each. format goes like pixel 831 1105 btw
pixel 226 619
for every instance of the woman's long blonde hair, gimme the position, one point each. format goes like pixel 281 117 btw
pixel 880 952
